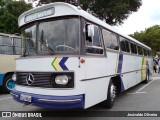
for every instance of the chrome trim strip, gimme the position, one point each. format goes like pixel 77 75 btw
pixel 113 75
pixel 60 101
pixel 70 71
pixel 14 94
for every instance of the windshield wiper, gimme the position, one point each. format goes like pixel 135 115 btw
pixel 45 43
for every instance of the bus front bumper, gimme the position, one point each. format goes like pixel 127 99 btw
pixel 45 101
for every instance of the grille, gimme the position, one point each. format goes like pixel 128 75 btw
pixel 43 79
pixel 40 79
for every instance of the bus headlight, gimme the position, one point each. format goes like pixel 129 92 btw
pixel 14 78
pixel 61 80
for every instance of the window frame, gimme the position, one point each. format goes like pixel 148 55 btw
pixel 139 46
pixel 126 40
pixel 145 51
pixel 135 44
pixel 93 46
pixel 117 37
pixel 7 45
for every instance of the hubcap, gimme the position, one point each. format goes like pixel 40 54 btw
pixel 113 92
pixel 10 84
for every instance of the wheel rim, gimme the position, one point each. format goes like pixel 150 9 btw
pixel 113 92
pixel 10 84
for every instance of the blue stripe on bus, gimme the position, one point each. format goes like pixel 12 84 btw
pixel 119 70
pixel 1 79
pixel 52 105
pixel 62 63
pixel 122 85
pixel 120 62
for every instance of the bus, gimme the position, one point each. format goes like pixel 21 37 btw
pixel 10 49
pixel 72 59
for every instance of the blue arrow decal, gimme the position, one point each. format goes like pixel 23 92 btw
pixel 62 63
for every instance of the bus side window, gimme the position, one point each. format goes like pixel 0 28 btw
pixel 6 45
pixel 145 52
pixel 94 42
pixel 149 52
pixel 96 38
pixel 110 40
pixel 140 50
pixel 1 46
pixel 133 48
pixel 127 46
pixel 124 44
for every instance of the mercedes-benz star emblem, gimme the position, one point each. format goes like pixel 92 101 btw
pixel 29 79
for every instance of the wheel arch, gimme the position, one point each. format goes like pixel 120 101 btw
pixel 8 73
pixel 117 82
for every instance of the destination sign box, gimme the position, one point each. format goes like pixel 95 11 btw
pixel 40 14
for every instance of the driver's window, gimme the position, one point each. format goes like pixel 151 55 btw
pixel 96 37
pixel 94 42
pixel 88 38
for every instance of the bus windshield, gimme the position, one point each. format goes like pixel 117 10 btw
pixel 58 36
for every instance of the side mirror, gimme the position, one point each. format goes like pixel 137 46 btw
pixel 90 30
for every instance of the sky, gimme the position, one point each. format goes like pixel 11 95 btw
pixel 147 16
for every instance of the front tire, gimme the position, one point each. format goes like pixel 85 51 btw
pixel 8 84
pixel 111 95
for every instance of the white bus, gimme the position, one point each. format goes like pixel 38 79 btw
pixel 10 49
pixel 72 59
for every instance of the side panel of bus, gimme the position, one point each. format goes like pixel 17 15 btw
pixel 96 85
pixel 7 64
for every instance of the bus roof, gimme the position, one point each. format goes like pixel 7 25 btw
pixel 58 9
pixel 4 34
pixel 10 35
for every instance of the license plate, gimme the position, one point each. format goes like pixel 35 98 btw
pixel 25 98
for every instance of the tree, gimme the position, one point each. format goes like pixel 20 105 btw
pixel 150 37
pixel 112 11
pixel 9 12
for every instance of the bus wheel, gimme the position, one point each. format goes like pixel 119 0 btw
pixel 8 84
pixel 111 95
pixel 147 77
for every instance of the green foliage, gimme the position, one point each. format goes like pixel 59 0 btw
pixel 112 11
pixel 150 37
pixel 9 12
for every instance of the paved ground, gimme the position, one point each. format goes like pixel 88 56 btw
pixel 156 75
pixel 143 97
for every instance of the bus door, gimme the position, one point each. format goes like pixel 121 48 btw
pixel 95 66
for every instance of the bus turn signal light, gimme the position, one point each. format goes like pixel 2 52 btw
pixel 83 61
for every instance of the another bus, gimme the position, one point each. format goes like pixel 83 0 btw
pixel 72 59
pixel 10 49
